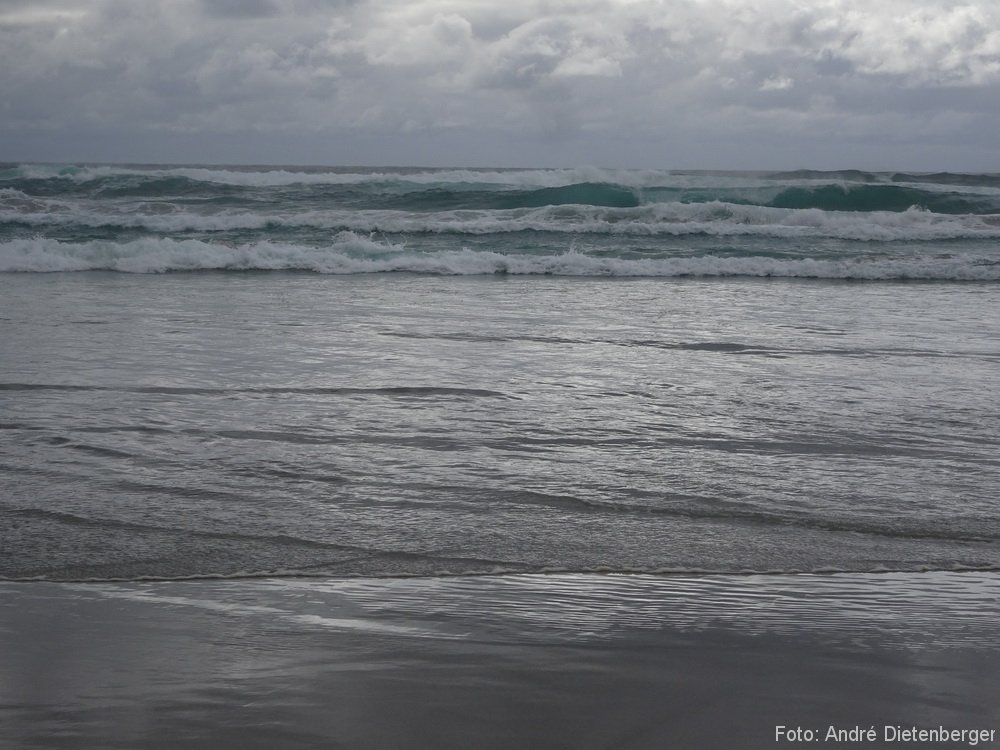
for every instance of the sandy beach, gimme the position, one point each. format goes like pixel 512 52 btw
pixel 562 661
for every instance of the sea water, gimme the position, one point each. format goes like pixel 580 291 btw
pixel 210 371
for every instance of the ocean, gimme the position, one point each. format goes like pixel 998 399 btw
pixel 250 371
pixel 517 458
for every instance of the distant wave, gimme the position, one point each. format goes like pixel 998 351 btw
pixel 856 175
pixel 275 177
pixel 353 254
pixel 882 198
pixel 268 175
pixel 835 190
pixel 582 194
pixel 716 218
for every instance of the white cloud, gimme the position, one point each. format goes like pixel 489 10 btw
pixel 442 40
pixel 514 71
pixel 777 83
pixel 958 44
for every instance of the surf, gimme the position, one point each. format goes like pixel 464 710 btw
pixel 355 254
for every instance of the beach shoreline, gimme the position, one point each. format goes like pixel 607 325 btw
pixel 575 661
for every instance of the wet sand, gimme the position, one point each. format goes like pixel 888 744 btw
pixel 561 661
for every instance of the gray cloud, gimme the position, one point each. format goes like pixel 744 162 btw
pixel 239 8
pixel 733 83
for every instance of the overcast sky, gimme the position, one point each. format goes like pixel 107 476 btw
pixel 743 84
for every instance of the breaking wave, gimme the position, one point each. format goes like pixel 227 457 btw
pixel 416 189
pixel 18 209
pixel 584 221
pixel 353 254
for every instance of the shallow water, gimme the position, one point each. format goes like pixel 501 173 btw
pixel 221 424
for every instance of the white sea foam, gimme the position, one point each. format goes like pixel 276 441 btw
pixel 661 219
pixel 349 253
